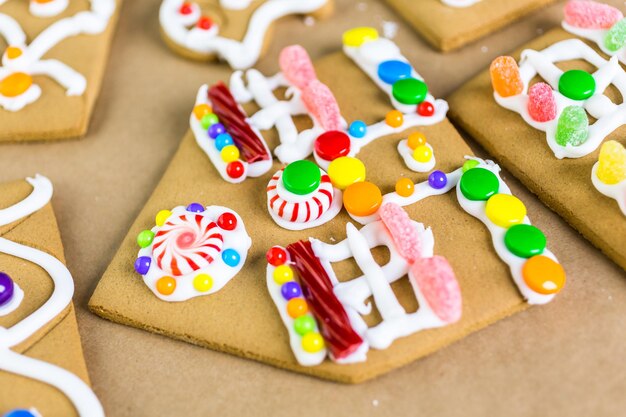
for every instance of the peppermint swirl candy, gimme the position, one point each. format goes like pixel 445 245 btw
pixel 187 243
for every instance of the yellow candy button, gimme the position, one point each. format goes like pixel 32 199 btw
pixel 162 217
pixel 312 342
pixel 229 153
pixel 203 282
pixel 358 36
pixel 282 274
pixel 505 210
pixel 13 52
pixel 345 171
pixel 15 84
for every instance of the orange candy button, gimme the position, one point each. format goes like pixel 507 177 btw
pixel 394 118
pixel 15 84
pixel 166 285
pixel 405 187
pixel 505 76
pixel 201 109
pixel 543 275
pixel 362 199
pixel 297 307
pixel 13 52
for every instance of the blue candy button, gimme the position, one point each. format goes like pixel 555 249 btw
pixel 392 71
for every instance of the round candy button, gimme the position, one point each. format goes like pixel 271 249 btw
pixel 290 289
pixel 203 282
pixel 357 36
pixel 162 217
pixel 577 84
pixel 166 285
pixel 301 177
pixel 15 84
pixel 304 324
pixel 276 256
pixel 332 144
pixel 362 199
pixel 479 184
pixel 142 266
pixel 543 275
pixel 394 70
pixel 297 307
pixel 405 187
pixel 312 342
pixel 505 210
pixel 409 91
pixel 7 288
pixel 469 164
pixel 525 240
pixel 345 171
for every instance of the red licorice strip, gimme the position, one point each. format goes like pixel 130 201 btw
pixel 227 110
pixel 340 337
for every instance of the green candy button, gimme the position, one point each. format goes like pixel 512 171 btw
pixel 409 91
pixel 525 240
pixel 478 184
pixel 577 84
pixel 301 177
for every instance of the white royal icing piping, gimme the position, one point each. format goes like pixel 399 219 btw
pixel 597 36
pixel 79 393
pixel 614 191
pixel 49 9
pixel 460 3
pixel 239 54
pixel 411 163
pixel 609 115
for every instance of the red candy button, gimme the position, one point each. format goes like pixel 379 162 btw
pixel 235 169
pixel 425 109
pixel 276 256
pixel 185 9
pixel 227 221
pixel 205 23
pixel 332 144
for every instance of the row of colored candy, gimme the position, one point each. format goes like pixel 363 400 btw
pixel 540 273
pixel 7 289
pixel 202 282
pixel 223 141
pixel 204 22
pixel 593 15
pixel 297 307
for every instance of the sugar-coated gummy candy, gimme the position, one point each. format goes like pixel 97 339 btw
pixel 591 14
pixel 572 127
pixel 541 102
pixel 505 77
pixel 321 103
pixel 615 38
pixel 296 66
pixel 439 286
pixel 403 230
pixel 612 163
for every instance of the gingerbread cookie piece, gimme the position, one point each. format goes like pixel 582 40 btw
pixel 54 60
pixel 235 31
pixel 299 302
pixel 549 116
pixel 42 370
pixel 450 24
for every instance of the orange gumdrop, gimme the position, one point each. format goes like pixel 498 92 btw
pixel 15 84
pixel 405 187
pixel 543 275
pixel 505 77
pixel 166 285
pixel 362 198
pixel 297 307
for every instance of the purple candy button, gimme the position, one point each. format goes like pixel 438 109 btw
pixel 7 288
pixel 142 264
pixel 216 129
pixel 195 208
pixel 437 180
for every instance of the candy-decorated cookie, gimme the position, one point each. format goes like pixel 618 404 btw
pixel 37 323
pixel 437 268
pixel 553 114
pixel 47 87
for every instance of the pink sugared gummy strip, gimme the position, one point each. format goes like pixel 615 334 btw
pixel 402 230
pixel 322 105
pixel 541 102
pixel 591 15
pixel 436 280
pixel 296 66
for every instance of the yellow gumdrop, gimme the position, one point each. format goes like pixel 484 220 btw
pixel 358 36
pixel 203 282
pixel 612 163
pixel 345 171
pixel 15 84
pixel 162 217
pixel 505 210
pixel 229 153
pixel 312 342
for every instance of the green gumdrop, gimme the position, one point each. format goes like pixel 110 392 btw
pixel 616 36
pixel 573 126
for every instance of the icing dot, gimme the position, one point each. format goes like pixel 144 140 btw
pixel 222 140
pixel 543 275
pixel 312 342
pixel 301 177
pixel 304 324
pixel 282 274
pixel 216 129
pixel 437 180
pixel 231 257
pixel 405 187
pixel 144 238
pixel 422 154
pixel 426 109
pixel 541 103
pixel 13 52
pixel 362 199
pixel 525 240
pixel 357 129
pixel 201 110
pixel 331 145
pixel 615 38
pixel 7 288
pixel 416 139
pixel 357 36
pixel 276 256
pixel 479 184
pixel 297 307
pixel 394 118
pixel 162 217
pixel 612 163
pixel 505 77
pixel 185 8
pixel 572 127
pixel 469 164
pixel 166 285
pixel 577 84
pixel 227 221
pixel 202 282
pixel 205 23
pixel 394 70
pixel 142 265
pixel 505 210
pixel 195 208
pixel 290 290
pixel 409 91
pixel 345 171
pixel 235 169
pixel 15 84
pixel 208 120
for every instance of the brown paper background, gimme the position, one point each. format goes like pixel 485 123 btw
pixel 560 359
pixel 448 28
pixel 55 115
pixel 525 152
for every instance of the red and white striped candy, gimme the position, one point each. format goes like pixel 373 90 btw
pixel 317 203
pixel 296 66
pixel 186 243
pixel 322 105
pixel 591 15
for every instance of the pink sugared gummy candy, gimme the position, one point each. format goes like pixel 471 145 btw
pixel 591 15
pixel 322 105
pixel 402 230
pixel 541 103
pixel 296 66
pixel 437 283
